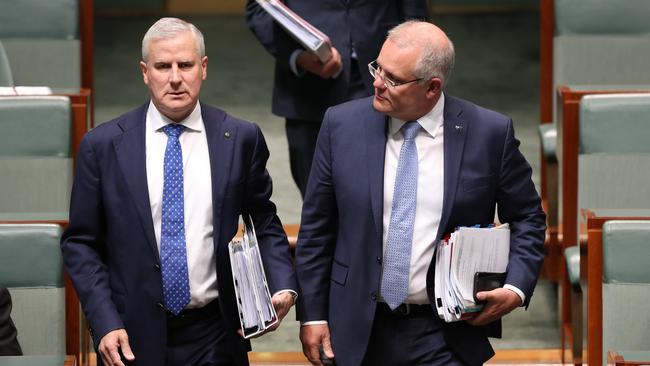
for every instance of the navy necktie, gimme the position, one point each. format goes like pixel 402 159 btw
pixel 173 256
pixel 397 258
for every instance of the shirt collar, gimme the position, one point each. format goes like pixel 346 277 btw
pixel 193 122
pixel 430 122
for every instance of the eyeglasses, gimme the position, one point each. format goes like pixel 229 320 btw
pixel 376 72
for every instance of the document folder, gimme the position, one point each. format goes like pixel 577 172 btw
pixel 470 260
pixel 256 311
pixel 302 31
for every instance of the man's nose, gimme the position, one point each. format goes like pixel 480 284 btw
pixel 175 76
pixel 379 82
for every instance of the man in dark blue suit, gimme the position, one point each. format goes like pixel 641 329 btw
pixel 156 199
pixel 304 87
pixel 409 163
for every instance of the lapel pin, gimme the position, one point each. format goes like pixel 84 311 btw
pixel 226 135
pixel 458 127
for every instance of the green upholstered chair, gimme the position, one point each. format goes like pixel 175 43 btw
pixel 613 165
pixel 6 79
pixel 626 286
pixel 42 40
pixel 596 44
pixel 31 268
pixel 35 158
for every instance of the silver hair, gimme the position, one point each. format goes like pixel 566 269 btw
pixel 166 28
pixel 435 61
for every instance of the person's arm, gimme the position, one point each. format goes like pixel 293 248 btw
pixel 315 249
pixel 261 24
pixel 8 342
pixel 519 205
pixel 83 242
pixel 272 240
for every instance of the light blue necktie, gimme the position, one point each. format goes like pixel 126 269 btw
pixel 397 259
pixel 173 257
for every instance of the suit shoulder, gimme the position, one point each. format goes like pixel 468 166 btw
pixel 116 126
pixel 474 111
pixel 216 115
pixel 356 109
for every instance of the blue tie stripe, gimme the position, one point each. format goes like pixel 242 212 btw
pixel 397 258
pixel 173 256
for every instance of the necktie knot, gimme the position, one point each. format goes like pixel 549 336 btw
pixel 410 130
pixel 174 130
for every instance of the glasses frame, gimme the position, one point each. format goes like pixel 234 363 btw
pixel 373 68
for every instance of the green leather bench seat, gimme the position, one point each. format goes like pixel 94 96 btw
pixel 32 269
pixel 35 154
pixel 42 42
pixel 626 285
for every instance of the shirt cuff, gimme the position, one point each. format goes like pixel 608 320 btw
pixel 293 63
pixel 517 291
pixel 314 322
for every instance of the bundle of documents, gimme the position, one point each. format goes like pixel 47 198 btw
pixel 471 260
pixel 256 311
pixel 302 31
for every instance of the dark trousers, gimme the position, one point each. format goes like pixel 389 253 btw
pixel 199 338
pixel 302 135
pixel 408 340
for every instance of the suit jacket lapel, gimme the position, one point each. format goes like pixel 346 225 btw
pixel 221 137
pixel 455 131
pixel 376 127
pixel 130 151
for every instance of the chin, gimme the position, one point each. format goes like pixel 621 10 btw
pixel 380 105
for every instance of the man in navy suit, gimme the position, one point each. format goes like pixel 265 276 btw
pixel 156 199
pixel 467 161
pixel 304 87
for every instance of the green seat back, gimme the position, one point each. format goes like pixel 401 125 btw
pixel 626 285
pixel 42 41
pixel 31 268
pixel 614 158
pixel 35 158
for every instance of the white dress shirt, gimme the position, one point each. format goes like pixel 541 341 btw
pixel 430 192
pixel 197 194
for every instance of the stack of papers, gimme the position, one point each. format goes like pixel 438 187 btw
pixel 469 254
pixel 256 311
pixel 302 31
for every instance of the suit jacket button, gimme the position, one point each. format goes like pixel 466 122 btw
pixel 379 260
pixel 373 296
pixel 156 267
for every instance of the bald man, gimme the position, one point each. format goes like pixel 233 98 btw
pixel 392 174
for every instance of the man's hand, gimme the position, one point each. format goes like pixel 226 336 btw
pixel 110 346
pixel 312 338
pixel 282 302
pixel 309 61
pixel 500 302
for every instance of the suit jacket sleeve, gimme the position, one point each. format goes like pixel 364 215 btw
pixel 8 343
pixel 317 237
pixel 83 243
pixel 261 24
pixel 274 247
pixel 519 204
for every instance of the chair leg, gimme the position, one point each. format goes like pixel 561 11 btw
pixel 576 325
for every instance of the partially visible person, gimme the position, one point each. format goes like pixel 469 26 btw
pixel 393 174
pixel 304 87
pixel 156 199
pixel 8 342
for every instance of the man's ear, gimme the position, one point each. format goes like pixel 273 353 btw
pixel 434 88
pixel 204 66
pixel 143 68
